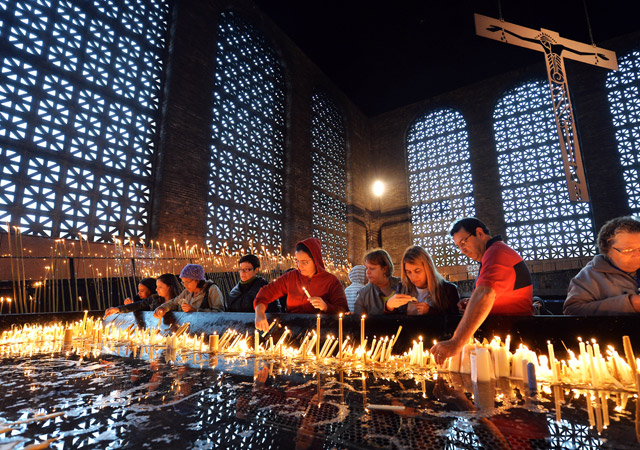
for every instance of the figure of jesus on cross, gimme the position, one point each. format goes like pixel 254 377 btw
pixel 555 49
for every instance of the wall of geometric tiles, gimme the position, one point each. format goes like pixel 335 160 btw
pixel 624 103
pixel 79 87
pixel 440 183
pixel 247 152
pixel 329 177
pixel 541 221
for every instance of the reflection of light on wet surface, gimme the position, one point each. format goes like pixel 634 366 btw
pixel 116 401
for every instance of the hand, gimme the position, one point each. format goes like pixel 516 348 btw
pixel 417 309
pixel 399 300
pixel 261 377
pixel 160 312
pixel 127 301
pixel 188 308
pixel 462 305
pixel 318 303
pixel 110 311
pixel 445 349
pixel 262 323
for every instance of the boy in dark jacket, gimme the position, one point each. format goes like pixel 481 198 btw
pixel 240 298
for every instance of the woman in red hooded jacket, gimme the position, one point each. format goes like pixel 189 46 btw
pixel 325 290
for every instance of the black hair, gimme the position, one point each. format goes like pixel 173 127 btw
pixel 251 259
pixel 470 225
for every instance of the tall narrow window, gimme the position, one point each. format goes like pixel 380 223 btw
pixel 79 87
pixel 624 102
pixel 329 177
pixel 541 221
pixel 246 182
pixel 440 181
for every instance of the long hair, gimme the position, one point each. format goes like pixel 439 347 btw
pixel 435 283
pixel 175 288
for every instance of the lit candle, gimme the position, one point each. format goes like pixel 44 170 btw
pixel 318 336
pixel 214 341
pixel 339 333
pixel 84 319
pixel 362 331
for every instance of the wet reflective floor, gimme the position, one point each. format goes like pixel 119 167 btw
pixel 115 400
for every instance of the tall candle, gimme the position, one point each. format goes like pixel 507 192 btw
pixel 84 319
pixel 306 292
pixel 362 332
pixel 318 336
pixel 340 334
pixel 552 361
pixel 631 360
pixel 256 341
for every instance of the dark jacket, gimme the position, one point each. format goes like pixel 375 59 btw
pixel 240 298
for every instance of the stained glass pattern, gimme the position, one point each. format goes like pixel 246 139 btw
pixel 329 177
pixel 246 166
pixel 79 89
pixel 541 221
pixel 624 103
pixel 440 183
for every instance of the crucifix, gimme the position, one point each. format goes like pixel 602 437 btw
pixel 555 49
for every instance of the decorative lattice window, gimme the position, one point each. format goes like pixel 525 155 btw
pixel 79 89
pixel 246 181
pixel 439 182
pixel 624 102
pixel 329 177
pixel 541 221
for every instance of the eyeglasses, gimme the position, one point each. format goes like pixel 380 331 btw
pixel 302 262
pixel 627 251
pixel 186 283
pixel 246 270
pixel 463 242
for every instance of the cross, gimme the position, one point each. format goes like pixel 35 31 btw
pixel 555 49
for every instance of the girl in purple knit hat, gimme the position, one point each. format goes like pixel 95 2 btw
pixel 198 295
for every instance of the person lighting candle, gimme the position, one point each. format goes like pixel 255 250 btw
pixel 610 283
pixel 168 287
pixel 146 289
pixel 327 293
pixel 198 295
pixel 422 281
pixel 503 286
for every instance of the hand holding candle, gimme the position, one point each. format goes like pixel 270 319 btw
pixel 317 302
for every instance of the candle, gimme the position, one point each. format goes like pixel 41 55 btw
pixel 531 377
pixel 256 341
pixel 631 360
pixel 552 361
pixel 84 319
pixel 339 333
pixel 214 341
pixel 306 292
pixel 362 332
pixel 159 323
pixel 318 336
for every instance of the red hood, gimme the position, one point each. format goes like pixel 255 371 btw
pixel 315 247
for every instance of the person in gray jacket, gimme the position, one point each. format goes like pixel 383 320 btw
pixel 609 284
pixel 372 299
pixel 198 295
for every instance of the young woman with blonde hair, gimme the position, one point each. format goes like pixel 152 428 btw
pixel 423 288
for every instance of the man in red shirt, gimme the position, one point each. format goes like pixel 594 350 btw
pixel 503 285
